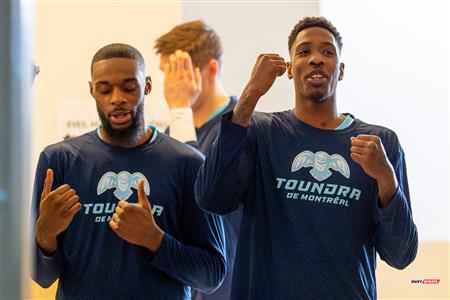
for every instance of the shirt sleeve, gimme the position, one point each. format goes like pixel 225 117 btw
pixel 47 266
pixel 181 125
pixel 224 179
pixel 198 257
pixel 396 233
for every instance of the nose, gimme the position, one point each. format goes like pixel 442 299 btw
pixel 316 58
pixel 117 97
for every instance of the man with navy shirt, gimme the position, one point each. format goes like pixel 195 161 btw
pixel 322 192
pixel 115 212
pixel 191 58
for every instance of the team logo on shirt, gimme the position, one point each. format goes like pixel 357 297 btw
pixel 319 191
pixel 321 163
pixel 122 183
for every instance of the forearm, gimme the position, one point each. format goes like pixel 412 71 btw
pixel 181 125
pixel 243 111
pixel 228 159
pixel 47 267
pixel 397 237
pixel 200 268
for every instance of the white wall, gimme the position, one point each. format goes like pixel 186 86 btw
pixel 68 35
pixel 397 75
pixel 248 29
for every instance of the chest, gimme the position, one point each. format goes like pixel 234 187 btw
pixel 313 179
pixel 103 183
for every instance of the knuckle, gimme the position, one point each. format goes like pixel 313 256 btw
pixel 371 146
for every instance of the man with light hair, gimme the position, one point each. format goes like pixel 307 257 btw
pixel 191 58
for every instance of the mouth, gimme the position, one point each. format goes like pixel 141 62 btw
pixel 120 117
pixel 316 77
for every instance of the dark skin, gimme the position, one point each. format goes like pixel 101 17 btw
pixel 315 68
pixel 136 224
pixel 118 87
pixel 57 209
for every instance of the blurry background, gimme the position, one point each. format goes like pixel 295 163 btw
pixel 397 75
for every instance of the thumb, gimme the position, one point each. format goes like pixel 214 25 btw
pixel 142 198
pixel 198 78
pixel 48 183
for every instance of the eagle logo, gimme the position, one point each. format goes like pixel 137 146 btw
pixel 321 162
pixel 122 183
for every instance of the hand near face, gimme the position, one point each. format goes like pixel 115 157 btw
pixel 56 211
pixel 182 82
pixel 136 224
pixel 266 69
pixel 368 151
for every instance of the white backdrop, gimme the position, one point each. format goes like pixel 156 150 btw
pixel 397 75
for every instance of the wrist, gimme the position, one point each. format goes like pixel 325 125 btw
pixel 155 242
pixel 175 105
pixel 387 187
pixel 46 242
pixel 245 107
pixel 250 94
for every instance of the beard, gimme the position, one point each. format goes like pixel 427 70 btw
pixel 130 135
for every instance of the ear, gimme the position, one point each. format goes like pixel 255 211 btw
pixel 91 89
pixel 148 85
pixel 341 71
pixel 212 69
pixel 289 70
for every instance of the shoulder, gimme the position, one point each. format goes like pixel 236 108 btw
pixel 270 119
pixel 387 136
pixel 71 146
pixel 176 150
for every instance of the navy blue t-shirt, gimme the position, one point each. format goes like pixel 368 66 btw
pixel 205 137
pixel 92 261
pixel 206 134
pixel 311 223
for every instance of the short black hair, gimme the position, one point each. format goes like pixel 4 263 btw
pixel 118 50
pixel 309 22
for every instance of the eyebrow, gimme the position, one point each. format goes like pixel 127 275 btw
pixel 124 81
pixel 309 43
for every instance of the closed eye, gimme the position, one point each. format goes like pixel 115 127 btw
pixel 302 52
pixel 129 90
pixel 104 92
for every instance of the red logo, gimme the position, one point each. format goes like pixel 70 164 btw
pixel 425 281
pixel 430 281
